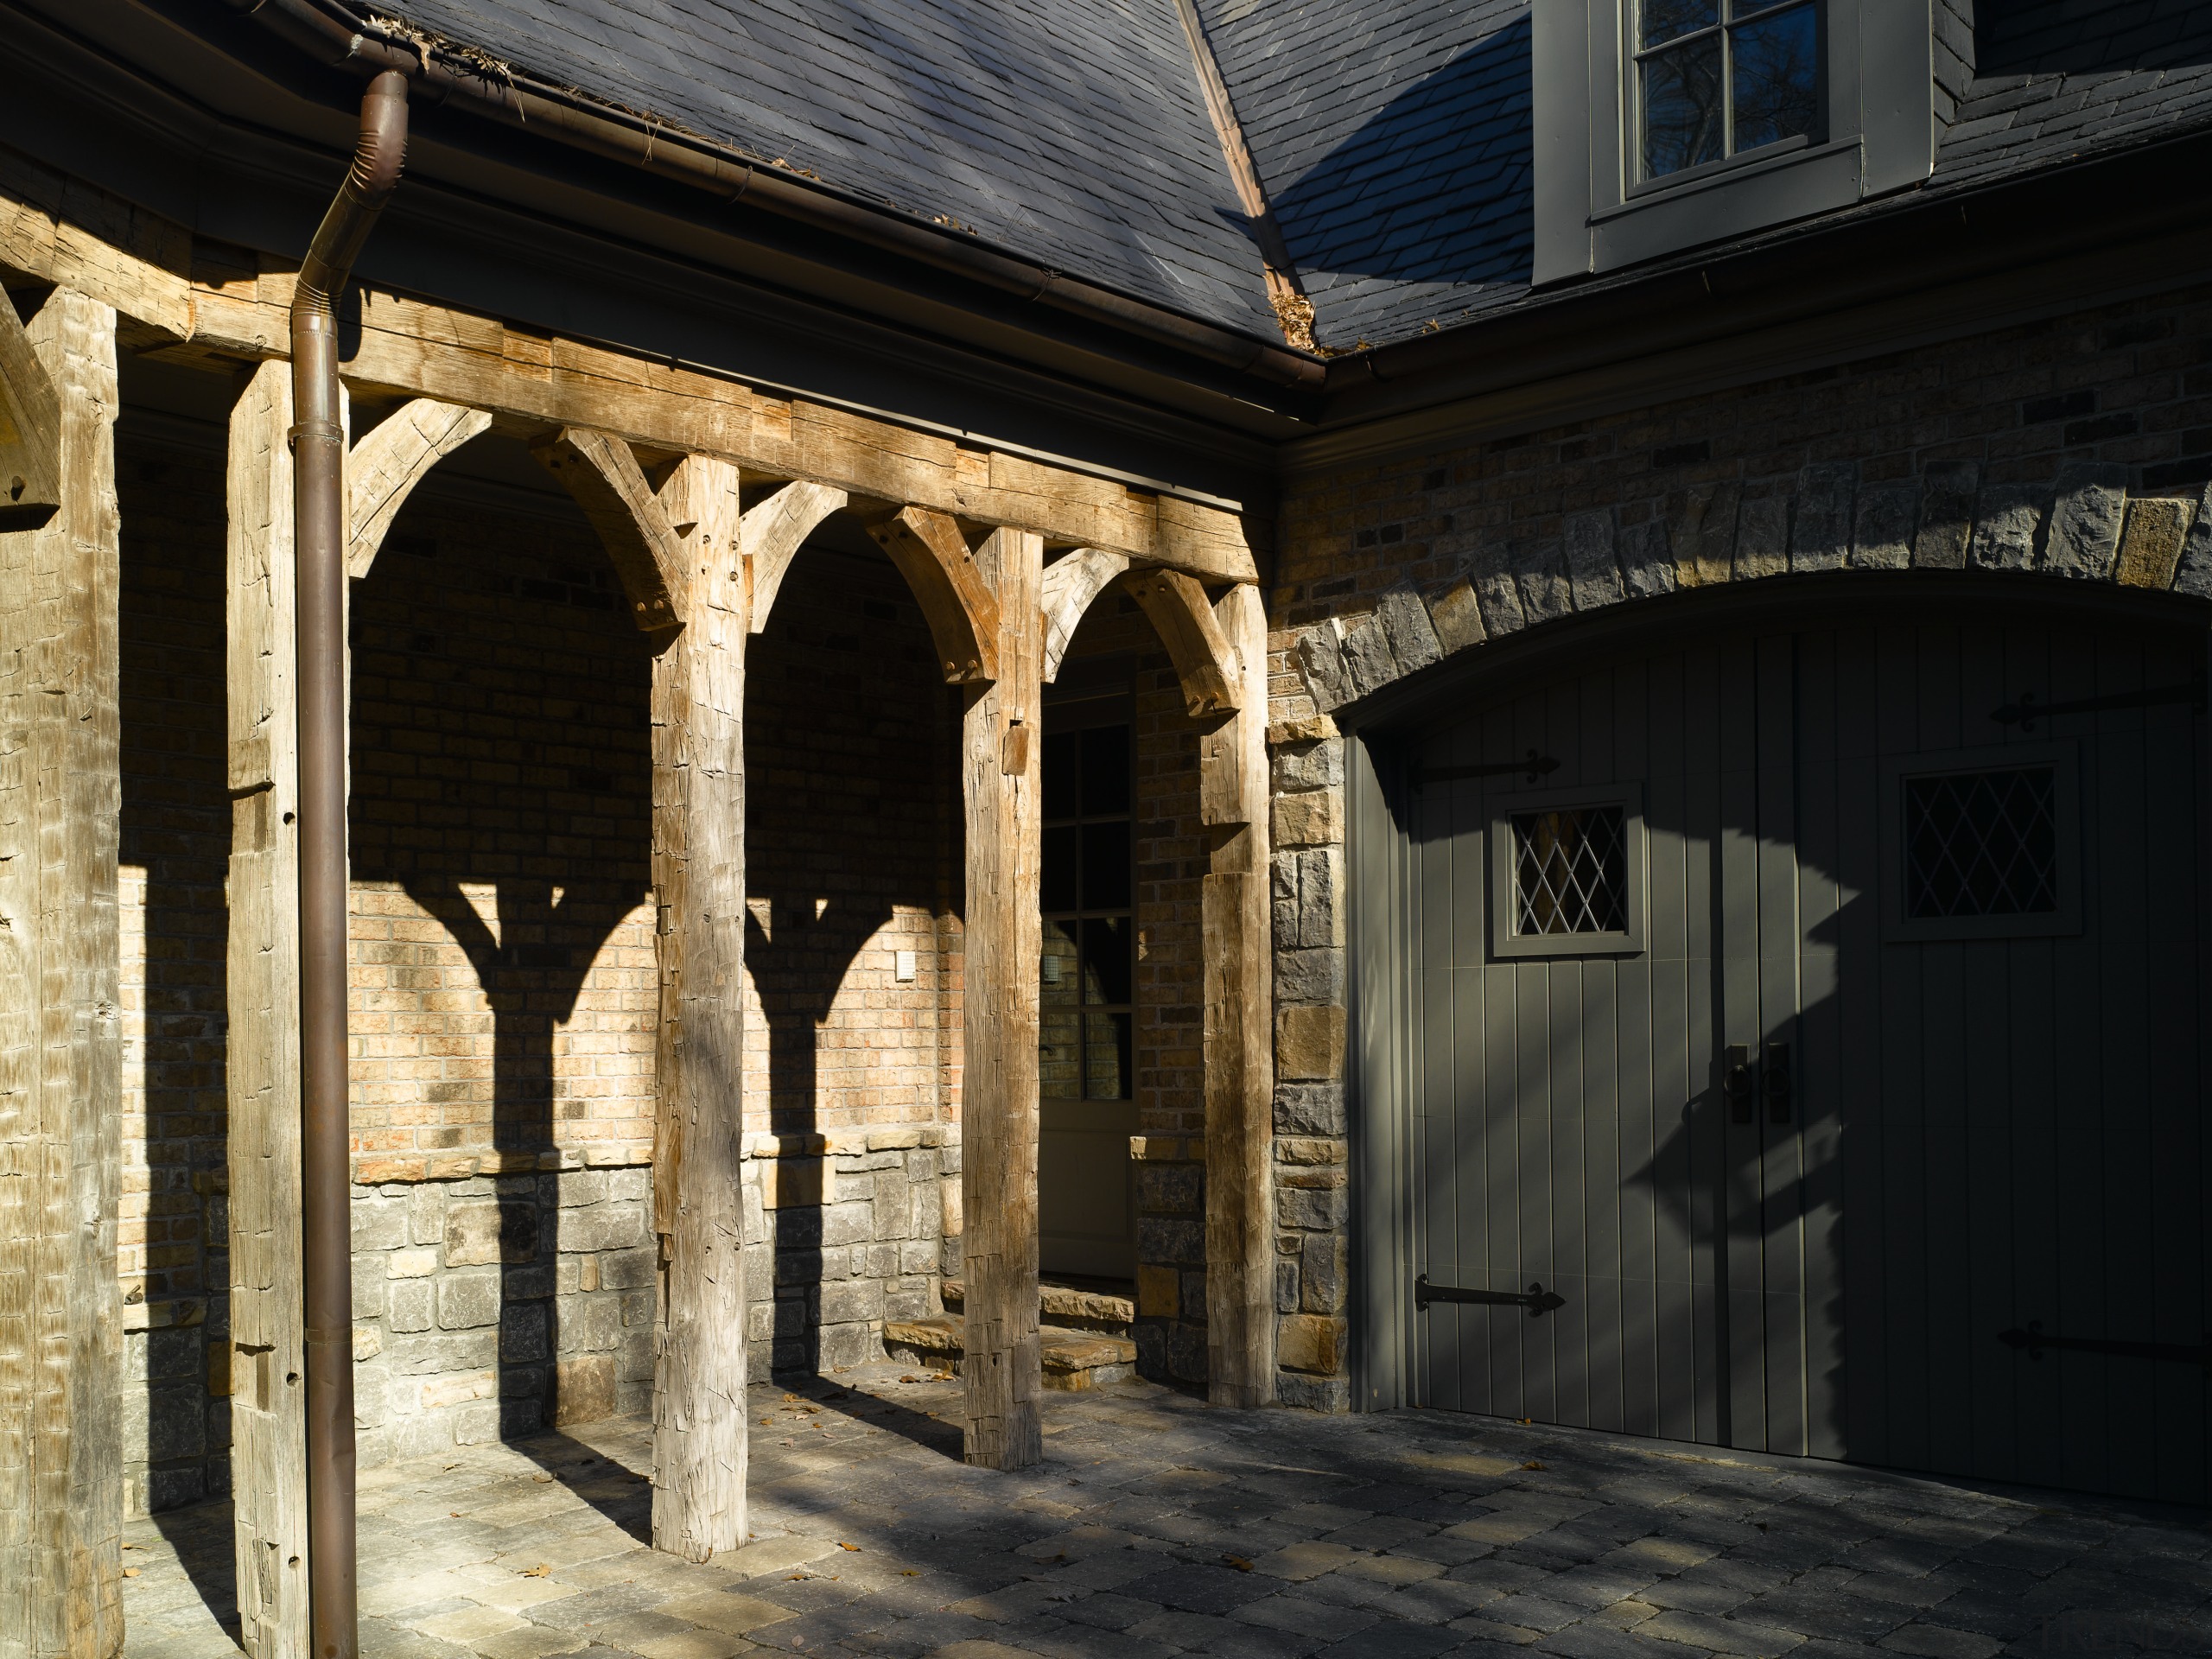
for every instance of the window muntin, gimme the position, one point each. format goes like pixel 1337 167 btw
pixel 1087 1008
pixel 1714 79
pixel 1982 843
pixel 1570 871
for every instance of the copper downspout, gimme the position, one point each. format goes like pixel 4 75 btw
pixel 318 548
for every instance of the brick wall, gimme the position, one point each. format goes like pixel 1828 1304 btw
pixel 2079 447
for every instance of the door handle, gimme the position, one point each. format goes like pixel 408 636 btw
pixel 1777 1082
pixel 1737 1083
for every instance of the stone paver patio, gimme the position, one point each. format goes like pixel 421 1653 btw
pixel 1159 1526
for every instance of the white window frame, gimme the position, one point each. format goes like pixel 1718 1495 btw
pixel 2062 922
pixel 1592 215
pixel 1506 941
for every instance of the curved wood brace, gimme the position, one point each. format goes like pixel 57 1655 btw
pixel 1071 581
pixel 1212 678
pixel 772 531
pixel 961 611
pixel 644 542
pixel 30 431
pixel 384 467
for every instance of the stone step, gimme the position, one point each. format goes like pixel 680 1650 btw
pixel 1067 1306
pixel 1072 1360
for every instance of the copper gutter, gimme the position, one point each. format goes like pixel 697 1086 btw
pixel 326 30
pixel 319 549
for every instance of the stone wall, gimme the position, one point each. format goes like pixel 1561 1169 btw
pixel 2078 450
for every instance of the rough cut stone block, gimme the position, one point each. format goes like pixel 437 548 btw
pixel 1406 625
pixel 1762 537
pixel 1647 565
pixel 1308 820
pixel 1309 1042
pixel 1950 492
pixel 1491 573
pixel 1320 918
pixel 2085 520
pixel 1701 529
pixel 1368 661
pixel 852 1299
pixel 2007 522
pixel 1540 568
pixel 1309 1342
pixel 1592 577
pixel 1456 616
pixel 1304 1392
pixel 379 1223
pixel 2149 547
pixel 1322 1273
pixel 466 1300
pixel 1820 529
pixel 407 1306
pixel 1320 658
pixel 603 1227
pixel 583 1389
pixel 1310 976
pixel 478 1232
pixel 522 1332
pixel 1310 1108
pixel 1310 766
pixel 2193 576
pixel 1881 538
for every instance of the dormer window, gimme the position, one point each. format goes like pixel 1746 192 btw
pixel 1715 79
pixel 1668 124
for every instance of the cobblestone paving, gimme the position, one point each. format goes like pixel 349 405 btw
pixel 1159 1526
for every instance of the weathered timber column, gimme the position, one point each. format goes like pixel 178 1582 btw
pixel 262 1060
pixel 698 715
pixel 1000 751
pixel 1238 1029
pixel 61 1037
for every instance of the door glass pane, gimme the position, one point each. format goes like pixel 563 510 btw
pixel 1106 960
pixel 1105 771
pixel 1059 1055
pixel 1059 861
pixel 1105 867
pixel 1570 871
pixel 1776 66
pixel 1061 793
pixel 1681 107
pixel 1060 975
pixel 1982 843
pixel 1106 1056
pixel 1661 21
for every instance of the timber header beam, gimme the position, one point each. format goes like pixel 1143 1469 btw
pixel 114 251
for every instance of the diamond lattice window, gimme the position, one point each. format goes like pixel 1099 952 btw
pixel 1982 843
pixel 1570 871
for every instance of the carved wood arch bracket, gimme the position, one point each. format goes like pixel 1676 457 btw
pixel 1072 582
pixel 1205 662
pixel 773 530
pixel 30 431
pixel 384 469
pixel 959 605
pixel 641 538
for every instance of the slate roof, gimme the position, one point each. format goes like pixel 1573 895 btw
pixel 1393 136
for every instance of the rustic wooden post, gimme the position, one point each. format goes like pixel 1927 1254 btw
pixel 268 1405
pixel 1238 1026
pixel 60 1055
pixel 698 716
pixel 1001 749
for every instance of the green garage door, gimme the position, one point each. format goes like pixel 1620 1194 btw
pixel 1806 1026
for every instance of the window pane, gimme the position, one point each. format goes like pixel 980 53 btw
pixel 1057 964
pixel 1106 960
pixel 1060 756
pixel 1570 871
pixel 1777 85
pixel 1105 866
pixel 1057 874
pixel 1106 1073
pixel 1681 107
pixel 1059 1055
pixel 1105 770
pixel 1661 20
pixel 1982 843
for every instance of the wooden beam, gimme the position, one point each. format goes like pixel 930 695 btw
pixel 1003 935
pixel 1238 1035
pixel 646 546
pixel 262 1067
pixel 1212 682
pixel 698 857
pixel 773 530
pixel 1071 582
pixel 30 431
pixel 387 464
pixel 61 1050
pixel 958 604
